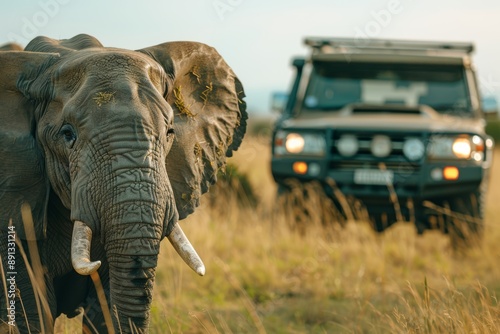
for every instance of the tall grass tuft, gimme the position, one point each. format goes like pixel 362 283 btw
pixel 447 311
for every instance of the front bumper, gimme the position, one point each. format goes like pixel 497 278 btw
pixel 409 180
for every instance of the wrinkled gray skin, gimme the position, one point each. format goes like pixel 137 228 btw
pixel 124 141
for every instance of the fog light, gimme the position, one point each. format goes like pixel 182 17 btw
pixel 381 146
pixel 478 143
pixel 478 156
pixel 314 169
pixel 348 145
pixel 299 167
pixel 451 173
pixel 437 174
pixel 413 148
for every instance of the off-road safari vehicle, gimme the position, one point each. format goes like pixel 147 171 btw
pixel 396 125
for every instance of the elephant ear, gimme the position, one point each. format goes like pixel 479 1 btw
pixel 210 117
pixel 22 173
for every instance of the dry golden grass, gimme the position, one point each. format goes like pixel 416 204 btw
pixel 263 277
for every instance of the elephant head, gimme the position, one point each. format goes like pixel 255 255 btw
pixel 11 47
pixel 126 140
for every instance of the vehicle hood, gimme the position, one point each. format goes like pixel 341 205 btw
pixel 425 121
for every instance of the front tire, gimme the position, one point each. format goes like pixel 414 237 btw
pixel 466 221
pixel 306 204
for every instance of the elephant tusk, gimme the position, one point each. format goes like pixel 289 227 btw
pixel 80 250
pixel 186 251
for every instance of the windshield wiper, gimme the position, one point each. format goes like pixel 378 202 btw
pixel 449 107
pixel 326 108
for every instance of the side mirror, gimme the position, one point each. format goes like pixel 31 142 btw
pixel 278 102
pixel 298 63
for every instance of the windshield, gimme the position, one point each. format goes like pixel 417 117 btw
pixel 335 85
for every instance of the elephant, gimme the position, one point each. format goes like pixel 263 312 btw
pixel 11 47
pixel 107 149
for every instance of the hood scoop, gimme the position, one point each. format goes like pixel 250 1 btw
pixel 374 109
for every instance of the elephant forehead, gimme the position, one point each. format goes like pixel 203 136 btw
pixel 106 66
pixel 120 62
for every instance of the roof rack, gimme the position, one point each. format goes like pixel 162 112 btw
pixel 319 43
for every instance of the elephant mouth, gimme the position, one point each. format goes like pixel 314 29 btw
pixel 82 237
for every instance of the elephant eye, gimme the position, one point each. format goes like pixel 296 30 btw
pixel 170 131
pixel 68 134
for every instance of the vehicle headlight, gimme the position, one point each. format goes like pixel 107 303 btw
pixel 300 143
pixel 348 145
pixel 294 143
pixel 459 147
pixel 413 149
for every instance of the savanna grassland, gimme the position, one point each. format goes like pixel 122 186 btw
pixel 262 277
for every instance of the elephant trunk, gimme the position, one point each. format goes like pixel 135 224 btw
pixel 132 265
pixel 132 227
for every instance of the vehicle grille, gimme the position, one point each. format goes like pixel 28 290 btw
pixel 364 157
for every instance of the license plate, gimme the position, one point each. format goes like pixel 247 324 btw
pixel 373 176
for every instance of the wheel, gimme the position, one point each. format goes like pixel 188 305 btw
pixel 465 223
pixel 305 204
pixel 382 220
pixel 383 215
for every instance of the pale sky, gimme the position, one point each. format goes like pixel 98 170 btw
pixel 256 37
